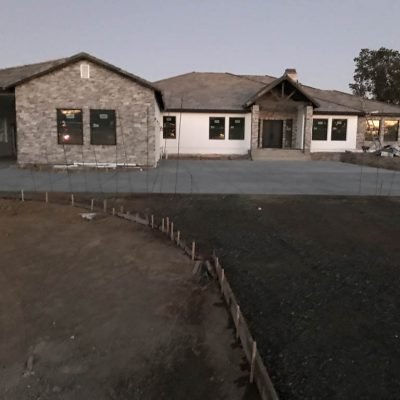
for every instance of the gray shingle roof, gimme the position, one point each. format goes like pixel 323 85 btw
pixel 11 76
pixel 206 91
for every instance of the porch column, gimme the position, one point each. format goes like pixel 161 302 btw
pixel 255 117
pixel 308 123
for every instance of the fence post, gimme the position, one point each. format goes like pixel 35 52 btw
pixel 105 205
pixel 253 361
pixel 162 225
pixel 237 320
pixel 72 200
pixel 178 238
pixel 46 197
pixel 152 221
pixel 22 195
pixel 172 231
pixel 222 280
pixel 92 205
pixel 193 250
pixel 113 211
pixel 167 225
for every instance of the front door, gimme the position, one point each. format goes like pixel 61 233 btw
pixel 272 134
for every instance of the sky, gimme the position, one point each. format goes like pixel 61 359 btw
pixel 156 39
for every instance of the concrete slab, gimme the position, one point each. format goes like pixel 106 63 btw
pixel 213 176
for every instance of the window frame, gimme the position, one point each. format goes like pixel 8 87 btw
pixel 59 112
pixel 332 129
pixel 164 127
pixel 385 131
pixel 99 111
pixel 243 126
pixel 327 129
pixel 369 135
pixel 210 128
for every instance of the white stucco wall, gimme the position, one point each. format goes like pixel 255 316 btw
pixel 337 145
pixel 193 129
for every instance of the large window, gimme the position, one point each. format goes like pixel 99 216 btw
pixel 372 129
pixel 169 127
pixel 217 128
pixel 69 126
pixel 320 129
pixel 102 127
pixel 339 129
pixel 390 130
pixel 236 128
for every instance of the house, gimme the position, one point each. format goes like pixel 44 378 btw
pixel 224 113
pixel 84 110
pixel 78 110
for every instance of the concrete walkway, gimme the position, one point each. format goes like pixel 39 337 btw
pixel 204 176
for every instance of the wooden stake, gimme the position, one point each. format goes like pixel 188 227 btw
pixel 167 230
pixel 222 280
pixel 162 225
pixel 178 238
pixel 22 195
pixel 253 361
pixel 237 320
pixel 92 205
pixel 105 205
pixel 193 250
pixel 152 221
pixel 72 200
pixel 113 211
pixel 46 197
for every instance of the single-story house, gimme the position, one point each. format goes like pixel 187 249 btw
pixel 84 110
pixel 224 113
pixel 79 110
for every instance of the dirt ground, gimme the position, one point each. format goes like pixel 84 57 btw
pixel 318 280
pixel 371 160
pixel 107 310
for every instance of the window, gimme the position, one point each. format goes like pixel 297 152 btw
pixel 372 129
pixel 217 128
pixel 339 129
pixel 236 128
pixel 85 71
pixel 169 127
pixel 320 129
pixel 390 130
pixel 102 127
pixel 69 126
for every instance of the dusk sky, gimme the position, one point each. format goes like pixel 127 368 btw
pixel 156 39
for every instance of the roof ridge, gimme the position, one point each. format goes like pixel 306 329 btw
pixel 253 80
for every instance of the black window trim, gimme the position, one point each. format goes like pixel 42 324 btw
pixel 59 133
pixel 164 132
pixel 209 128
pixel 115 126
pixel 230 131
pixel 347 129
pixel 327 130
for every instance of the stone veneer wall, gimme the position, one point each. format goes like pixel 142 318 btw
pixel 38 100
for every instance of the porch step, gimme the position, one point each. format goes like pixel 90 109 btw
pixel 279 154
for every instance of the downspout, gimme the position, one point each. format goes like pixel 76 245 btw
pixel 304 128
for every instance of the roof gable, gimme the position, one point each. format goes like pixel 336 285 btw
pixel 12 77
pixel 295 87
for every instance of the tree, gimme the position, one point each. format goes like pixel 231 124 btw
pixel 377 75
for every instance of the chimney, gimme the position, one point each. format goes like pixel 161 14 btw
pixel 292 73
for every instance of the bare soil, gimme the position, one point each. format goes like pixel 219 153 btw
pixel 107 310
pixel 317 278
pixel 371 160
